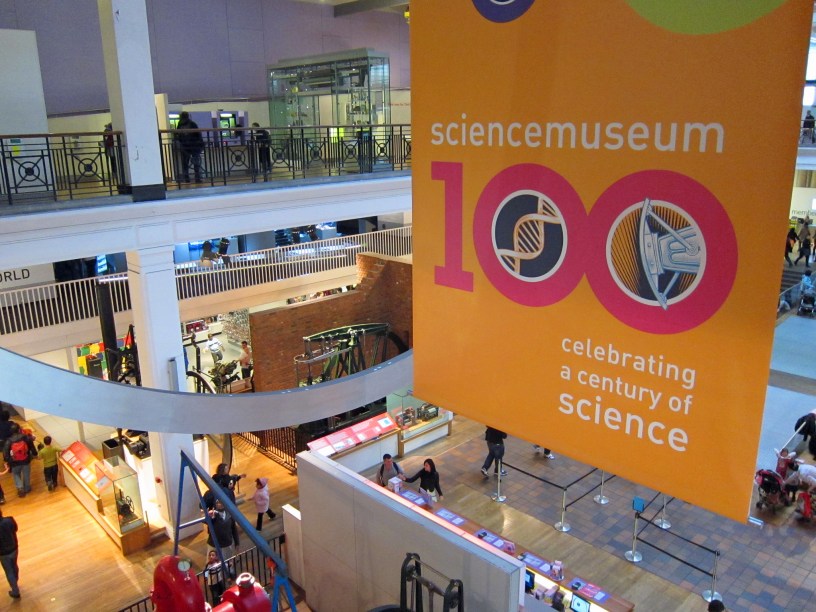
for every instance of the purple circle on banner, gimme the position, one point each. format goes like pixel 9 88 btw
pixel 502 11
pixel 712 233
pixel 555 277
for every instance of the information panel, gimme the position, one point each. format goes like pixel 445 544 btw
pixel 600 198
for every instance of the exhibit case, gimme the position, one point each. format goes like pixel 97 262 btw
pixel 345 88
pixel 109 491
pixel 419 422
pixel 118 486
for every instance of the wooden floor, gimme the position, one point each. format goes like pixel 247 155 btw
pixel 67 562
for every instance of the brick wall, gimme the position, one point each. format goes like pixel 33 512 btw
pixel 383 295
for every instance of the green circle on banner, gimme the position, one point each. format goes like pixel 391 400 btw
pixel 703 16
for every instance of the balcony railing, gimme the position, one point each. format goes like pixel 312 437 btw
pixel 268 154
pixel 52 167
pixel 41 167
pixel 67 302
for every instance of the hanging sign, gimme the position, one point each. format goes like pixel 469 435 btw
pixel 600 199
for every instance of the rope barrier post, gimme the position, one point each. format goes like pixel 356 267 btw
pixel 497 496
pixel 633 556
pixel 600 498
pixel 563 525
pixel 663 522
pixel 712 594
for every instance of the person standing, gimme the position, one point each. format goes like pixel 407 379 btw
pixel 214 575
pixel 18 452
pixel 49 455
pixel 245 359
pixel 261 139
pixel 808 123
pixel 216 348
pixel 224 531
pixel 110 148
pixel 388 470
pixel 191 145
pixel 428 480
pixel 495 450
pixel 261 499
pixel 8 553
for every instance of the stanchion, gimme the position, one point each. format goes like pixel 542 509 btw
pixel 712 594
pixel 633 555
pixel 563 525
pixel 663 522
pixel 497 496
pixel 600 498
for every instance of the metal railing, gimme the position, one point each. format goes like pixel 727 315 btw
pixel 37 167
pixel 251 561
pixel 240 155
pixel 76 165
pixel 67 302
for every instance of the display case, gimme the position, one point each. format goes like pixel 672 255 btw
pixel 419 422
pixel 118 487
pixel 109 491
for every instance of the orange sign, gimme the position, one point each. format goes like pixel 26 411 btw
pixel 600 198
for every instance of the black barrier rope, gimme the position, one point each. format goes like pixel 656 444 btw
pixel 676 535
pixel 539 478
pixel 676 558
pixel 579 498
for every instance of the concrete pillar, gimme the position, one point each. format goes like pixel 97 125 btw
pixel 152 279
pixel 129 74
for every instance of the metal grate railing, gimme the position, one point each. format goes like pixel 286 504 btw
pixel 241 155
pixel 37 167
pixel 67 302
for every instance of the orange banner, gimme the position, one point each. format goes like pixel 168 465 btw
pixel 600 198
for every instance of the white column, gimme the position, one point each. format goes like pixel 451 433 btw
pixel 152 279
pixel 129 74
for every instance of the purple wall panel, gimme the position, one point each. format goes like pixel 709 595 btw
pixel 246 45
pixel 246 14
pixel 200 49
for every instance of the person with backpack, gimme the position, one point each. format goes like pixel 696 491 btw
pixel 18 453
pixel 388 470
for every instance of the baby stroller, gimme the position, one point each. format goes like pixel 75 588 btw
pixel 807 304
pixel 771 489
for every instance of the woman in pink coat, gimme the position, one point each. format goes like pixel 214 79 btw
pixel 261 499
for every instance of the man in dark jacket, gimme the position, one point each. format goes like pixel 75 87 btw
pixel 8 553
pixel 191 145
pixel 18 452
pixel 495 450
pixel 224 531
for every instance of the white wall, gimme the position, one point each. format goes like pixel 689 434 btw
pixel 802 202
pixel 21 87
pixel 356 536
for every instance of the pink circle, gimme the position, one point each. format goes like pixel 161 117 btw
pixel 531 177
pixel 718 234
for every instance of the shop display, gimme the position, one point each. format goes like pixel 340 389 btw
pixel 347 438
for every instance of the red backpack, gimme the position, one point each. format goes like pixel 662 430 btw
pixel 19 450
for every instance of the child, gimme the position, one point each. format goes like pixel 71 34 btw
pixel 214 576
pixel 49 455
pixel 784 458
pixel 261 499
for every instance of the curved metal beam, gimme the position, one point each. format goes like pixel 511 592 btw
pixel 39 386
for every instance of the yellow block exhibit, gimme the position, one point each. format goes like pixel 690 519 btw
pixel 600 201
